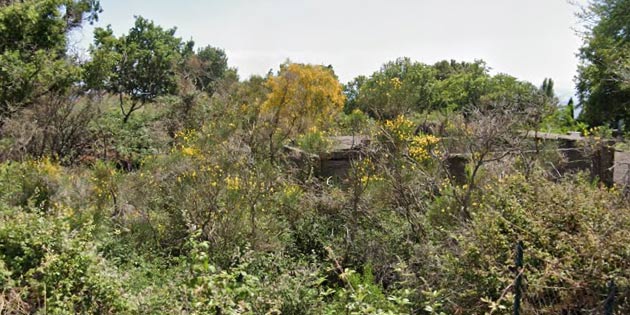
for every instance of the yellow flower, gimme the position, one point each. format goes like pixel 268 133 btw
pixel 401 127
pixel 189 151
pixel 292 190
pixel 396 82
pixel 233 183
pixel 421 145
pixel 48 167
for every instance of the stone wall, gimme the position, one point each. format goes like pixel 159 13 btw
pixel 601 159
pixel 621 173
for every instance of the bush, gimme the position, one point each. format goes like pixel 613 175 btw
pixel 56 266
pixel 31 184
pixel 126 143
pixel 56 126
pixel 314 141
pixel 574 238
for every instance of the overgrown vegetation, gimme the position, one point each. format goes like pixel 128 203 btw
pixel 152 180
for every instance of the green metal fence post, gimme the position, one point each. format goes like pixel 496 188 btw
pixel 610 300
pixel 519 278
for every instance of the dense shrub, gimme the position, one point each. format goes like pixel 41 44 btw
pixel 30 184
pixel 54 266
pixel 574 243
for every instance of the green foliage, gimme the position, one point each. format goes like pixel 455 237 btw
pixel 56 266
pixel 573 242
pixel 403 87
pixel 33 59
pixel 398 87
pixel 355 123
pixel 563 120
pixel 126 143
pixel 23 81
pixel 314 141
pixel 30 184
pixel 206 67
pixel 191 206
pixel 29 26
pixel 210 227
pixel 352 90
pixel 461 84
pixel 547 88
pixel 602 80
pixel 139 65
pixel 361 295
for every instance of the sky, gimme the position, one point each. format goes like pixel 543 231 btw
pixel 529 39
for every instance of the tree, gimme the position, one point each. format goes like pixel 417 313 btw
pixel 547 88
pixel 33 44
pixel 206 67
pixel 302 96
pixel 603 88
pixel 352 91
pixel 399 87
pixel 570 111
pixel 564 118
pixel 461 84
pixel 140 65
pixel 508 89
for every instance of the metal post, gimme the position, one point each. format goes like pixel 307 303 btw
pixel 610 300
pixel 519 278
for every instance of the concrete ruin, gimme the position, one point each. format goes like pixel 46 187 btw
pixel 600 158
pixel 336 162
pixel 584 154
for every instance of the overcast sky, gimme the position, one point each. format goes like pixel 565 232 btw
pixel 529 39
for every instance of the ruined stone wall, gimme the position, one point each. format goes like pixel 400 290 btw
pixel 621 173
pixel 600 159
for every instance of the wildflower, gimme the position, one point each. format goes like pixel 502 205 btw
pixel 189 151
pixel 233 183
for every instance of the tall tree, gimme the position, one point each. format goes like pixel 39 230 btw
pixel 547 88
pixel 352 91
pixel 603 89
pixel 461 84
pixel 33 45
pixel 301 96
pixel 206 67
pixel 399 87
pixel 571 109
pixel 403 86
pixel 139 66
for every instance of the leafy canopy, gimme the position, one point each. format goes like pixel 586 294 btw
pixel 603 81
pixel 302 96
pixel 33 43
pixel 403 86
pixel 206 67
pixel 140 65
pixel 398 87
